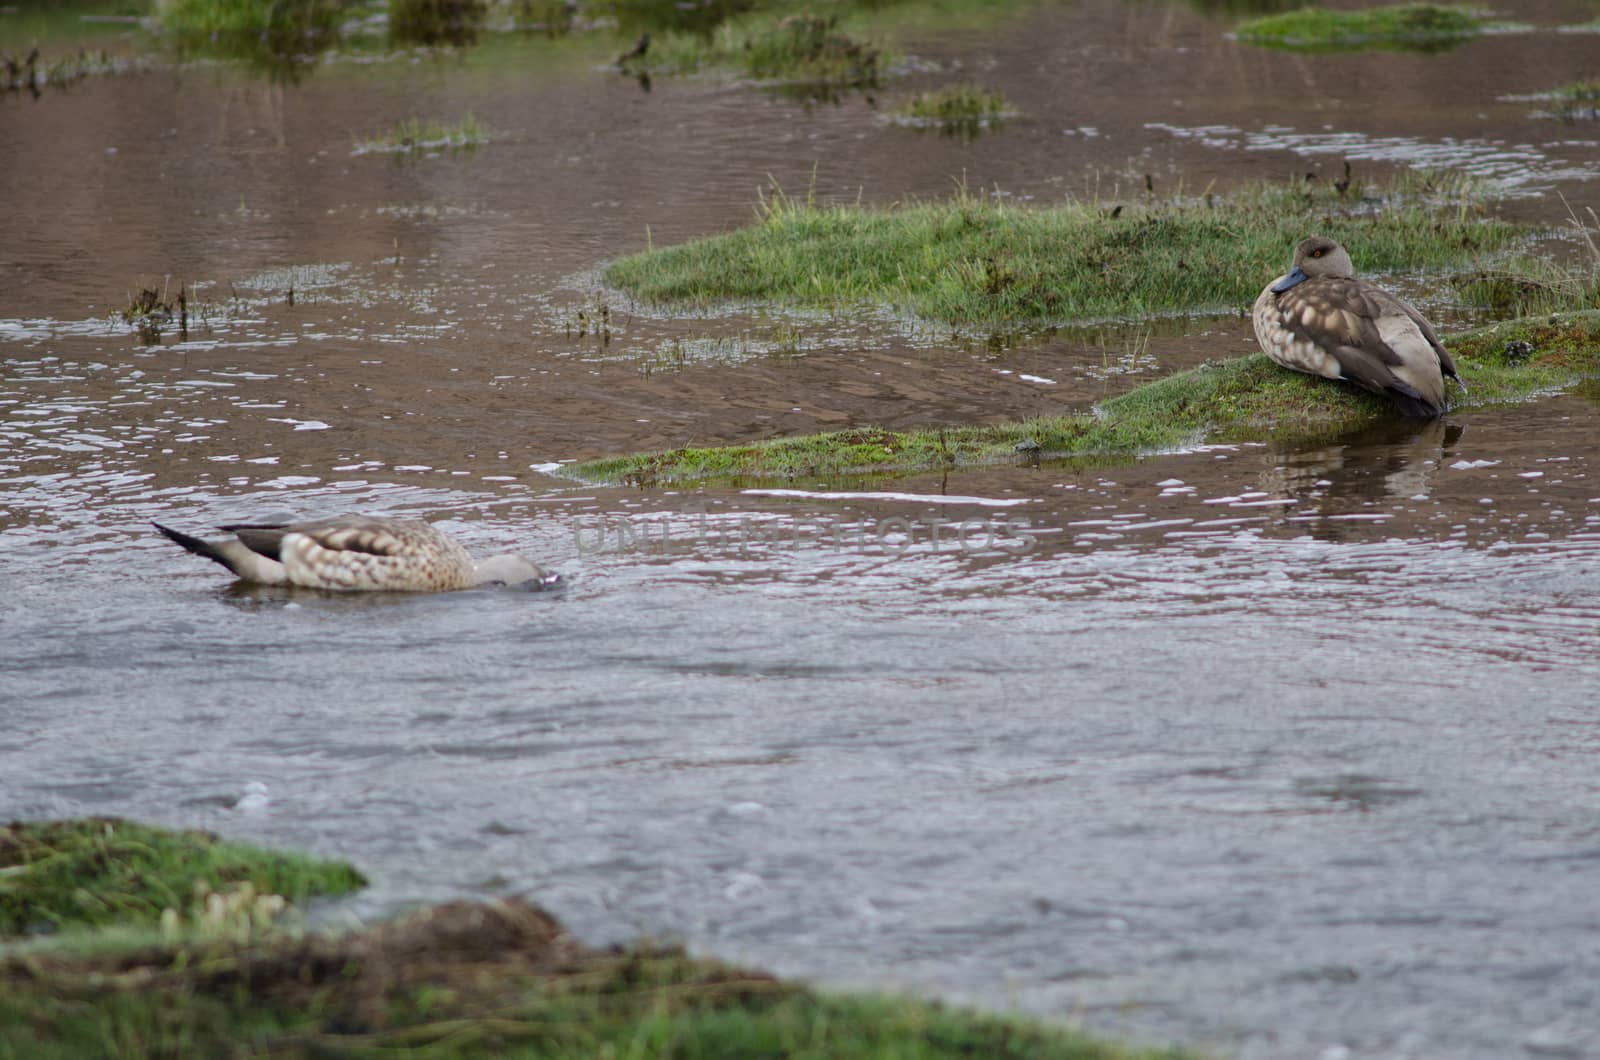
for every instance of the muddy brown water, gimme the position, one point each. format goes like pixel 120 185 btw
pixel 1277 752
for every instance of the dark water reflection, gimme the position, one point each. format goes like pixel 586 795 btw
pixel 1280 751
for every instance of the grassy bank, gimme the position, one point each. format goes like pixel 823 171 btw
pixel 102 872
pixel 459 980
pixel 1419 26
pixel 1242 399
pixel 975 262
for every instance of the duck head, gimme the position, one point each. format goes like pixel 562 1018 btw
pixel 1317 256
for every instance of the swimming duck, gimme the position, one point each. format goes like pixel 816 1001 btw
pixel 357 553
pixel 1318 318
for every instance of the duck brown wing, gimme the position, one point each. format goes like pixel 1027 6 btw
pixel 353 533
pixel 1376 343
pixel 1447 363
pixel 344 533
pixel 1330 312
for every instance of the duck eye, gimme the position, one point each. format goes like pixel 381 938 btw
pixel 1316 253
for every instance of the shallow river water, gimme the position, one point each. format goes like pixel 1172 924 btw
pixel 1276 752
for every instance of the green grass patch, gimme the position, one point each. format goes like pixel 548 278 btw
pixel 501 979
pixel 972 262
pixel 964 108
pixel 467 980
pixel 805 48
pixel 272 18
pixel 1249 398
pixel 1579 101
pixel 1529 287
pixel 1411 26
pixel 278 37
pixel 56 875
pixel 434 22
pixel 1537 286
pixel 413 135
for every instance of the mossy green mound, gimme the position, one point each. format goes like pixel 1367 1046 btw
pixel 803 47
pixel 976 262
pixel 1246 398
pixel 103 871
pixel 502 979
pixel 1421 26
pixel 470 980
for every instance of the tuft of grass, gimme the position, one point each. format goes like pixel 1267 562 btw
pixel 415 135
pixel 956 109
pixel 802 48
pixel 1248 398
pixel 1529 287
pixel 150 311
pixel 96 872
pixel 280 19
pixel 281 37
pixel 1579 101
pixel 206 17
pixel 1535 286
pixel 975 262
pixel 433 22
pixel 1414 26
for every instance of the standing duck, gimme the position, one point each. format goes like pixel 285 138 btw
pixel 358 553
pixel 1318 318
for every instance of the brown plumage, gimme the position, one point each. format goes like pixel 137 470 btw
pixel 356 553
pixel 1318 318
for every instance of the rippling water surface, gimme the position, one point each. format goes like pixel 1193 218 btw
pixel 1272 751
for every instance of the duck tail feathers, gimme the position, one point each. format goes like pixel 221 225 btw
pixel 233 554
pixel 1413 404
pixel 197 546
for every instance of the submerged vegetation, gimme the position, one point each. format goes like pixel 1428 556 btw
pixel 971 261
pixel 281 37
pixel 415 135
pixel 453 22
pixel 1242 399
pixel 459 980
pixel 956 109
pixel 1579 101
pixel 150 311
pixel 34 73
pixel 805 48
pixel 277 18
pixel 1412 26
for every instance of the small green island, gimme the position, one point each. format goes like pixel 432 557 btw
pixel 962 109
pixel 971 264
pixel 118 938
pixel 977 263
pixel 1414 27
pixel 1247 398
